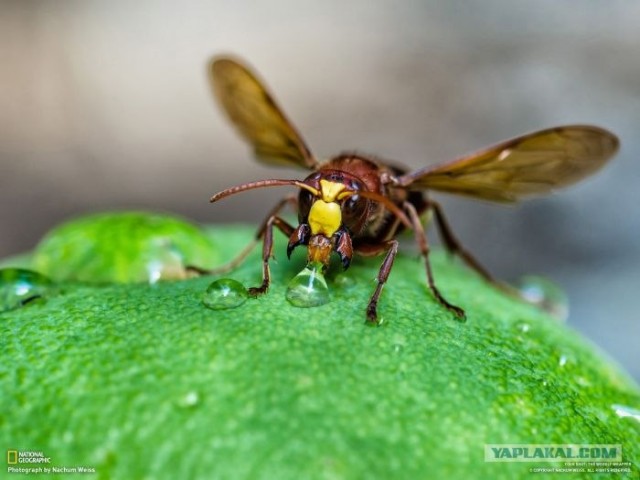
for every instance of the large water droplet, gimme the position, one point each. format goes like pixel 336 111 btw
pixel 18 287
pixel 164 261
pixel 225 293
pixel 625 411
pixel 308 288
pixel 124 247
pixel 546 295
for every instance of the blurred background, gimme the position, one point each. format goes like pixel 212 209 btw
pixel 104 105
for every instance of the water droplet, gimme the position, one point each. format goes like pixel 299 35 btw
pixel 308 288
pixel 523 327
pixel 582 381
pixel 68 436
pixel 225 293
pixel 189 400
pixel 546 295
pixel 563 360
pixel 344 281
pixel 624 411
pixel 19 287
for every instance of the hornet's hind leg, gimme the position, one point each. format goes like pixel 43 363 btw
pixel 423 245
pixel 453 245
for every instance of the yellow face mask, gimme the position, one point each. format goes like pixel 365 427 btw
pixel 325 216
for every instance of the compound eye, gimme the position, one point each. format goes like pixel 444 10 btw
pixel 351 204
pixel 353 210
pixel 305 200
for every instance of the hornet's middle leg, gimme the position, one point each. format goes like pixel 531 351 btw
pixel 391 247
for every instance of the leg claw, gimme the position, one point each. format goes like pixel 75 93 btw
pixel 257 291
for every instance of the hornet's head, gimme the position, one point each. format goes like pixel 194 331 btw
pixel 330 210
pixel 333 205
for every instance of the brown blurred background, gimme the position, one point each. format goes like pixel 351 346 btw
pixel 104 105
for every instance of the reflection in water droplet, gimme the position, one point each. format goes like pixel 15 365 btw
pixel 165 262
pixel 225 293
pixel 523 327
pixel 308 288
pixel 563 360
pixel 546 295
pixel 624 411
pixel 19 287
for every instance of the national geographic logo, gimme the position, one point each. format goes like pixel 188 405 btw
pixel 15 457
pixel 36 462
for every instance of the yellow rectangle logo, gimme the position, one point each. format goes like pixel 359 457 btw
pixel 12 457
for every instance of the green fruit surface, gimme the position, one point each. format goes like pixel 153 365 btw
pixel 123 247
pixel 143 381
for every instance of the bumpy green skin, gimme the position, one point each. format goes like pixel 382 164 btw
pixel 123 247
pixel 143 381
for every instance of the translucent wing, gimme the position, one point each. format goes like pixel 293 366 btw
pixel 256 116
pixel 533 164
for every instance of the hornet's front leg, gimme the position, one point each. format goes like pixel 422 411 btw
pixel 260 233
pixel 267 247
